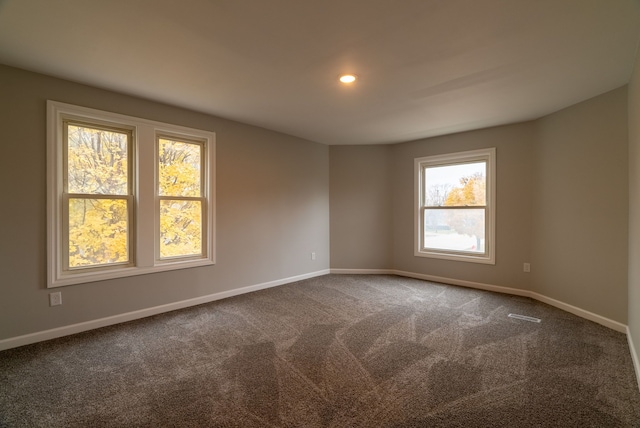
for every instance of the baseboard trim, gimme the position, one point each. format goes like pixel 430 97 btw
pixel 363 271
pixel 634 356
pixel 463 283
pixel 614 325
pixel 27 339
pixel 14 342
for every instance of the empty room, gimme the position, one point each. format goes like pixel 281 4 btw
pixel 279 213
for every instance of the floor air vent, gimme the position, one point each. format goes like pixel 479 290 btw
pixel 525 318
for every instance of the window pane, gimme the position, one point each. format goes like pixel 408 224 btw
pixel 97 161
pixel 180 228
pixel 455 229
pixel 98 232
pixel 179 168
pixel 456 185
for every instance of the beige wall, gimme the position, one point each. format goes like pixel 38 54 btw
pixel 365 178
pixel 580 209
pixel 557 178
pixel 513 211
pixel 634 207
pixel 562 206
pixel 272 210
pixel 360 207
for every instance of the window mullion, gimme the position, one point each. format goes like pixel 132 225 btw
pixel 144 173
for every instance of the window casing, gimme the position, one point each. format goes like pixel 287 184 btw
pixel 105 216
pixel 455 206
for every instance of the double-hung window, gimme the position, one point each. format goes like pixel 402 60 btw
pixel 455 206
pixel 126 196
pixel 181 202
pixel 97 196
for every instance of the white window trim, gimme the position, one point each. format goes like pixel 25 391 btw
pixel 145 206
pixel 488 155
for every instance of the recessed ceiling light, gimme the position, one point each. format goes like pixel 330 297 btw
pixel 348 78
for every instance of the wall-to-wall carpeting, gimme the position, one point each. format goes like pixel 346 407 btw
pixel 332 351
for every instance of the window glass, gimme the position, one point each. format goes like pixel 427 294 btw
pixel 180 228
pixel 179 190
pixel 98 232
pixel 456 185
pixel 179 168
pixel 456 230
pixel 97 161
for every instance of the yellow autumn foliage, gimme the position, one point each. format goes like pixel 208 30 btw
pixel 179 172
pixel 97 167
pixel 471 193
pixel 100 199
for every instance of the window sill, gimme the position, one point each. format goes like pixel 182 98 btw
pixel 83 278
pixel 469 258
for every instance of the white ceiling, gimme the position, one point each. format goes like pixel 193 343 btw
pixel 426 67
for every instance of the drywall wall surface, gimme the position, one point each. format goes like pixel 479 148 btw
pixel 513 145
pixel 580 206
pixel 360 207
pixel 272 210
pixel 634 206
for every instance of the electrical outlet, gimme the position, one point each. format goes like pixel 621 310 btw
pixel 55 299
pixel 527 267
pixel 313 256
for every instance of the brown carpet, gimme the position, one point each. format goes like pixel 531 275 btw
pixel 333 351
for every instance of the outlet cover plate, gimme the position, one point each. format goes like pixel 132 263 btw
pixel 55 299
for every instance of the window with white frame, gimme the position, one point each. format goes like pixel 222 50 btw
pixel 455 206
pixel 181 202
pixel 126 196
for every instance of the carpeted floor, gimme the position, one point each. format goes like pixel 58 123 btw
pixel 333 351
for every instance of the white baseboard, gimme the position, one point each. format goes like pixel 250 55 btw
pixel 364 271
pixel 463 283
pixel 614 325
pixel 27 339
pixel 14 342
pixel 634 356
